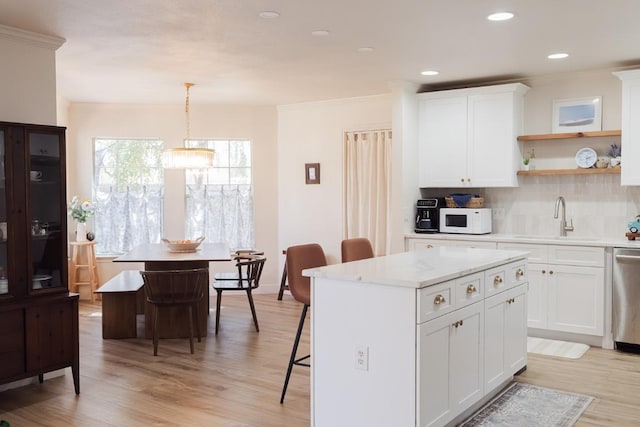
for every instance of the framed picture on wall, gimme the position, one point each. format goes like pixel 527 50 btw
pixel 577 115
pixel 312 173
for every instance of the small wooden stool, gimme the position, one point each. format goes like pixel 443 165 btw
pixel 91 267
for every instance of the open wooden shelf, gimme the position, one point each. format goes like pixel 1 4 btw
pixel 589 171
pixel 549 136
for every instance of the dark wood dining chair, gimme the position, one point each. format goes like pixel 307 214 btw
pixel 356 249
pixel 299 258
pixel 175 288
pixel 237 255
pixel 246 279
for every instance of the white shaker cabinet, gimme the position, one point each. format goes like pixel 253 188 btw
pixel 630 175
pixel 450 379
pixel 566 287
pixel 468 137
pixel 505 335
pixel 416 244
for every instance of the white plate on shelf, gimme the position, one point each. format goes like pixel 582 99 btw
pixel 39 279
pixel 586 157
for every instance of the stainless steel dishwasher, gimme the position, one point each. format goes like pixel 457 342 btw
pixel 626 298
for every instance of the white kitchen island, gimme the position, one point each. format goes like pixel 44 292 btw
pixel 417 338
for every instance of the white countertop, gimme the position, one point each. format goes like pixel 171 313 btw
pixel 573 240
pixel 418 269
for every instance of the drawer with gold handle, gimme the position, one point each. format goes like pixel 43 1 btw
pixel 439 299
pixel 435 301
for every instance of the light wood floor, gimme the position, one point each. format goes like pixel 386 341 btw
pixel 235 379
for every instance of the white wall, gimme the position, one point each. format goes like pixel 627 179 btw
pixel 313 133
pixel 167 122
pixel 28 76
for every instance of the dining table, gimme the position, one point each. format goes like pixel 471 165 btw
pixel 157 257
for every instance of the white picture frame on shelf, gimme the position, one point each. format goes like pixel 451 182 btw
pixel 577 115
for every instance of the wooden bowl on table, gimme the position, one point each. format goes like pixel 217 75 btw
pixel 184 245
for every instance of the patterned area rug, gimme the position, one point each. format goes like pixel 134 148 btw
pixel 523 405
pixel 569 350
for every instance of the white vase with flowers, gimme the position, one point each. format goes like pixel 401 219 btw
pixel 81 211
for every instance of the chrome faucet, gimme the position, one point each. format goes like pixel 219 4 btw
pixel 563 223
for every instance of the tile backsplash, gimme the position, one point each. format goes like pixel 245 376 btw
pixel 598 205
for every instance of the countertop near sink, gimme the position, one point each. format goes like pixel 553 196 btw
pixel 621 242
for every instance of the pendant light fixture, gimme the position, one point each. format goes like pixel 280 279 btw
pixel 187 158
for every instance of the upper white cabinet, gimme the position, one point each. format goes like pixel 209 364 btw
pixel 468 137
pixel 630 125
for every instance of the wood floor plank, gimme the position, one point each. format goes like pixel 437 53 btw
pixel 235 378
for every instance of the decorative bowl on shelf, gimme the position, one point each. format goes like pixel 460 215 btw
pixel 184 245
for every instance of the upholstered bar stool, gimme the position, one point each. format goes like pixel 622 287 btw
pixel 83 258
pixel 356 249
pixel 299 258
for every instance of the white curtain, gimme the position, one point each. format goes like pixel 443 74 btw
pixel 221 213
pixel 125 219
pixel 367 184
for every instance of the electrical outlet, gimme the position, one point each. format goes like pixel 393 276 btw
pixel 498 213
pixel 362 357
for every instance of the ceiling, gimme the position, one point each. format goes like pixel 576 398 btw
pixel 141 51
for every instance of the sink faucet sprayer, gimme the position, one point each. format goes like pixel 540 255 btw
pixel 563 223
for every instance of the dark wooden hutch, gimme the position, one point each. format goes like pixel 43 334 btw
pixel 38 315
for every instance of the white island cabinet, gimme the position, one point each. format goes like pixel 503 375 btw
pixel 415 339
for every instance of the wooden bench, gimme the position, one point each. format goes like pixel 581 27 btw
pixel 122 300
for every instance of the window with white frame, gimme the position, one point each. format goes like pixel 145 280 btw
pixel 219 200
pixel 128 189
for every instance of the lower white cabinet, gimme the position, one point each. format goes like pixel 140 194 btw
pixel 450 364
pixel 575 298
pixel 505 335
pixel 414 244
pixel 566 288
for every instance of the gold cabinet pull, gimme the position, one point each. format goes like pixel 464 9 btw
pixel 519 273
pixel 511 300
pixel 471 289
pixel 461 179
pixel 458 323
pixel 497 280
pixel 550 271
pixel 439 299
pixel 544 271
pixel 429 246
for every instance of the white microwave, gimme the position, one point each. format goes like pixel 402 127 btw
pixel 465 220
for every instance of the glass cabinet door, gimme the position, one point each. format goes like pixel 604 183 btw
pixel 4 284
pixel 47 212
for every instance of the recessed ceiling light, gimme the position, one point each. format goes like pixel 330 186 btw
pixel 268 14
pixel 500 16
pixel 559 55
pixel 320 33
pixel 430 73
pixel 364 49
